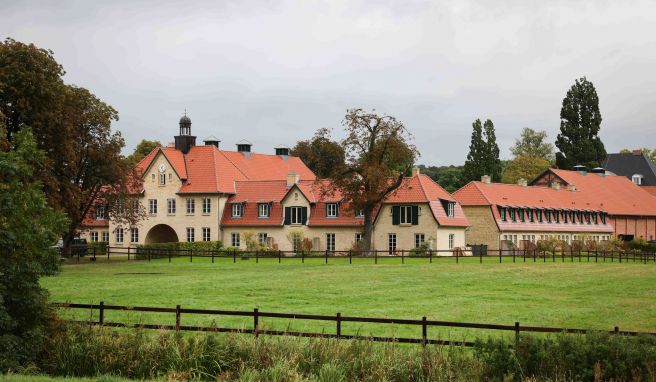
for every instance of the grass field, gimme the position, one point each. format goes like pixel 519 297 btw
pixel 582 295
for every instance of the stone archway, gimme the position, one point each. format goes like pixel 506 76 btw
pixel 161 233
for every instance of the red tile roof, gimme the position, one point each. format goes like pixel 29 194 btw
pixel 650 189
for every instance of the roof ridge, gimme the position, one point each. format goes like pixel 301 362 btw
pixel 147 155
pixel 233 164
pixel 423 189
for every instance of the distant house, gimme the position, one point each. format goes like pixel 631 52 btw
pixel 635 166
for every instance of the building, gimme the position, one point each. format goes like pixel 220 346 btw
pixel 505 216
pixel 203 193
pixel 635 166
pixel 630 208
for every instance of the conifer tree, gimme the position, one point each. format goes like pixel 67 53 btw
pixel 580 120
pixel 483 157
pixel 492 161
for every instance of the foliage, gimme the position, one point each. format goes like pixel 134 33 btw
pixel 550 244
pixel 251 240
pixel 143 148
pixel 321 154
pixel 483 156
pixel 525 167
pixel 580 120
pixel 83 163
pixel 422 250
pixel 177 248
pixel 378 153
pixel 298 240
pixel 651 154
pixel 28 229
pixel 449 177
pixel 533 143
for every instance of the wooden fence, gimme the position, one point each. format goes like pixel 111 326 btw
pixel 514 256
pixel 338 319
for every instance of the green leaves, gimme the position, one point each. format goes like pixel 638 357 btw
pixel 483 157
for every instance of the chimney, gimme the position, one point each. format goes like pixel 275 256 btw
pixel 416 171
pixel 292 179
pixel 522 182
pixel 282 151
pixel 555 185
pixel 636 152
pixel 580 169
pixel 599 171
pixel 212 141
pixel 244 147
pixel 571 187
pixel 486 179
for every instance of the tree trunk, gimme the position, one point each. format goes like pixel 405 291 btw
pixel 368 230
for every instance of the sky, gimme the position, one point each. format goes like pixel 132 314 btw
pixel 273 72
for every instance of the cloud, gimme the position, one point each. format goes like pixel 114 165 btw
pixel 274 72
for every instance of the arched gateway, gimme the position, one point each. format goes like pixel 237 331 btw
pixel 161 233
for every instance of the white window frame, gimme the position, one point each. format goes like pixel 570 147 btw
pixel 191 206
pixel 207 234
pixel 263 210
pixel 105 236
pixel 420 239
pixel 237 210
pixel 405 215
pixel 94 236
pixel 152 207
pixel 637 179
pixel 134 235
pixel 100 212
pixel 162 179
pixel 119 235
pixel 235 239
pixel 207 206
pixel 170 206
pixel 450 209
pixel 330 242
pixel 262 238
pixel 191 234
pixel 296 215
pixel 360 213
pixel 359 236
pixel 391 243
pixel 331 210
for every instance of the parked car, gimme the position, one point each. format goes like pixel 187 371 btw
pixel 78 246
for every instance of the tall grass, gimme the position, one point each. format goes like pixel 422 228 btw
pixel 84 351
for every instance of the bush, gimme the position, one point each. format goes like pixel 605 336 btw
pixel 177 248
pixel 422 250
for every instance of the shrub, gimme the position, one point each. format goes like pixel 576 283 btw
pixel 177 248
pixel 422 250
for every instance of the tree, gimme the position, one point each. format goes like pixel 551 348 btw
pixel 533 143
pixel 321 154
pixel 449 177
pixel 580 120
pixel 83 163
pixel 651 154
pixel 378 155
pixel 143 148
pixel 483 157
pixel 28 228
pixel 524 166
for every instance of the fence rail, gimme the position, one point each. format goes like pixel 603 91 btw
pixel 256 328
pixel 508 255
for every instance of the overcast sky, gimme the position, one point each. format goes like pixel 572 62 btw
pixel 273 72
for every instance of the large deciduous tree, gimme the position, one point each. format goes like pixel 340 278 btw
pixel 321 154
pixel 143 148
pixel 483 156
pixel 449 177
pixel 28 228
pixel 580 120
pixel 83 163
pixel 379 153
pixel 532 155
pixel 533 143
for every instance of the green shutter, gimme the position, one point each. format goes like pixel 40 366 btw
pixel 415 215
pixel 304 215
pixel 288 215
pixel 395 215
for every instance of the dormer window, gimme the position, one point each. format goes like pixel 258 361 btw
pixel 100 212
pixel 522 218
pixel 513 215
pixel 556 215
pixel 263 210
pixel 637 179
pixel 564 216
pixel 595 217
pixel 237 210
pixel 359 213
pixel 529 212
pixel 539 214
pixel 603 217
pixel 547 216
pixel 331 210
pixel 502 212
pixel 450 209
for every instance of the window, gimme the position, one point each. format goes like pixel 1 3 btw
pixel 330 242
pixel 191 206
pixel 263 237
pixel 565 216
pixel 502 212
pixel 522 218
pixel 236 242
pixel 539 214
pixel 529 212
pixel 296 215
pixel 419 240
pixel 637 179
pixel 513 215
pixel 572 217
pixel 207 206
pixel 94 236
pixel 263 210
pixel 450 208
pixel 391 243
pixel 152 206
pixel 162 179
pixel 134 235
pixel 152 178
pixel 556 216
pixel 359 213
pixel 170 206
pixel 451 239
pixel 587 217
pixel 236 210
pixel 105 236
pixel 207 234
pixel 603 218
pixel 119 235
pixel 331 210
pixel 191 234
pixel 358 237
pixel 595 217
pixel 170 177
pixel 547 216
pixel 100 212
pixel 405 215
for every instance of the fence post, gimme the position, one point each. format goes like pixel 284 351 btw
pixel 424 331
pixel 101 313
pixel 326 254
pixel 148 254
pixel 339 324
pixel 350 257
pixel 94 253
pixel 302 257
pixel 499 255
pixel 279 256
pixel 191 255
pixel 212 254
pixel 516 334
pixel 257 259
pixel 177 318
pixel 620 257
pixel 616 330
pixel 457 257
pixel 534 254
pixel 524 254
pixel 480 255
pixel 255 321
pixel 375 256
pixel 513 256
pixel 128 253
pixel 430 256
pixel 108 253
pixel 402 256
pixel 234 256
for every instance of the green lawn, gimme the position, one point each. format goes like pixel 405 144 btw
pixel 582 295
